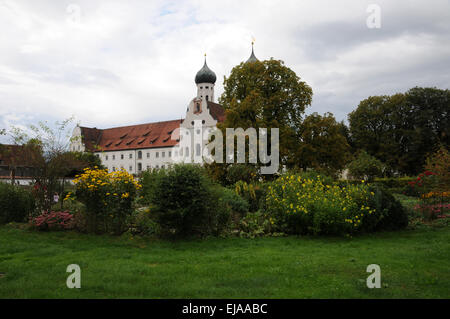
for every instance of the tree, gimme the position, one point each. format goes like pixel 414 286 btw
pixel 46 151
pixel 403 128
pixel 438 163
pixel 322 144
pixel 266 94
pixel 365 167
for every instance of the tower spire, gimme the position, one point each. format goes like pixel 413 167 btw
pixel 252 57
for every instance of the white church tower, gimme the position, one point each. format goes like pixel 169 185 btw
pixel 205 80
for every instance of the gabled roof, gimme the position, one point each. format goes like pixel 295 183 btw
pixel 216 111
pixel 91 137
pixel 150 135
pixel 16 155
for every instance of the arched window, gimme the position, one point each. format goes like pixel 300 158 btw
pixel 140 155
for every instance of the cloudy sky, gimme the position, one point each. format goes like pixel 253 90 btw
pixel 112 63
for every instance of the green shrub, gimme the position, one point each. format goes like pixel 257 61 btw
pixel 148 181
pixel 16 203
pixel 186 202
pixel 141 223
pixel 108 198
pixel 392 215
pixel 256 224
pixel 308 206
pixel 233 201
pixel 254 193
pixel 365 166
pixel 241 172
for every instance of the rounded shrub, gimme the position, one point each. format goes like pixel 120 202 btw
pixel 392 215
pixel 108 198
pixel 16 203
pixel 186 202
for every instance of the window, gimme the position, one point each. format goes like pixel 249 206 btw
pixel 157 166
pixel 148 167
pixel 187 151
pixel 170 153
pixel 139 155
pixel 106 157
pixel 207 98
pixel 131 155
pixel 201 87
pixel 198 132
pixel 114 169
pixel 163 154
pixel 157 154
pixel 139 167
pixel 162 166
pixel 148 155
pixel 114 157
pixel 121 156
pixel 206 87
pixel 197 149
pixel 131 168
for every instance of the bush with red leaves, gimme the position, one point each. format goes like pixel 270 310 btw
pixel 53 221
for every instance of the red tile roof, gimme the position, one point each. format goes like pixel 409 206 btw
pixel 216 111
pixel 150 135
pixel 14 155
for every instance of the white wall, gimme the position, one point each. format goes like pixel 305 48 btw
pixel 156 158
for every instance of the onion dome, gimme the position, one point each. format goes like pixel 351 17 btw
pixel 205 75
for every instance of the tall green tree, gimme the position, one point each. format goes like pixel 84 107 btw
pixel 402 129
pixel 267 94
pixel 323 145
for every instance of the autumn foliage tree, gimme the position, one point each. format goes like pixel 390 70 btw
pixel 266 94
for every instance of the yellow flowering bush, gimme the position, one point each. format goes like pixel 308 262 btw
pixel 108 198
pixel 309 206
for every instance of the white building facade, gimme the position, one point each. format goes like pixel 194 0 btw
pixel 156 145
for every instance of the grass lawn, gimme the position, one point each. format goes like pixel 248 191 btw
pixel 414 264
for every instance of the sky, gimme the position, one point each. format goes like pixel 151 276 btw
pixel 115 63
